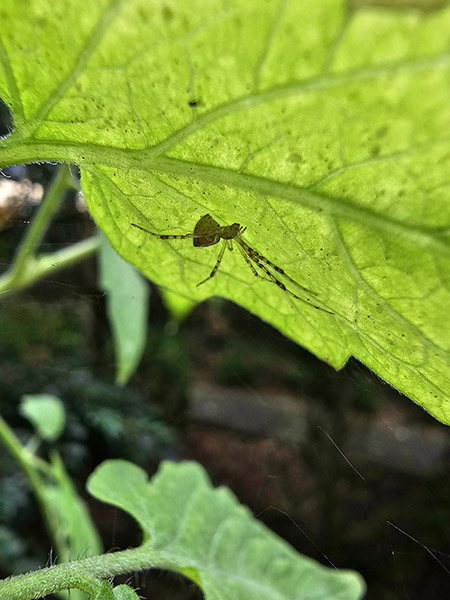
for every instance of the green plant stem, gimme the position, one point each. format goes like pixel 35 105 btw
pixel 38 267
pixel 15 447
pixel 61 181
pixel 84 574
pixel 31 466
pixel 27 267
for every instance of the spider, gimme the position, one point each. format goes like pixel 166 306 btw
pixel 208 232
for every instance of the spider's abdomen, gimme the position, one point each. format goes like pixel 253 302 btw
pixel 206 232
pixel 208 239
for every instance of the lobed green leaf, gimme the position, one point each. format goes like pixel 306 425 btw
pixel 205 534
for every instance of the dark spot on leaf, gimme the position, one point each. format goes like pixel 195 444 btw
pixel 167 13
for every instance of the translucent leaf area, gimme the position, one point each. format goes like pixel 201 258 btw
pixel 208 536
pixel 323 130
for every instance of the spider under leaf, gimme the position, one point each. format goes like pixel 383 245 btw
pixel 208 232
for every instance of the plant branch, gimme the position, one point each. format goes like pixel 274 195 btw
pixel 84 574
pixel 34 234
pixel 31 465
pixel 36 268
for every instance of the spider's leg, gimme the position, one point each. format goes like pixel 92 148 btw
pixel 272 277
pixel 181 236
pixel 164 236
pixel 257 257
pixel 280 284
pixel 248 257
pixel 216 266
pixel 252 252
pixel 247 260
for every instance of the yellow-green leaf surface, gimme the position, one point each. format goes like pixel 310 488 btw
pixel 323 130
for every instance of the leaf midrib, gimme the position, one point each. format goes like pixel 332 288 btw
pixel 88 156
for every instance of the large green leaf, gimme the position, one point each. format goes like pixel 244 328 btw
pixel 322 130
pixel 208 536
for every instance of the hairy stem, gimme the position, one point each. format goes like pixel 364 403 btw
pixel 84 574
